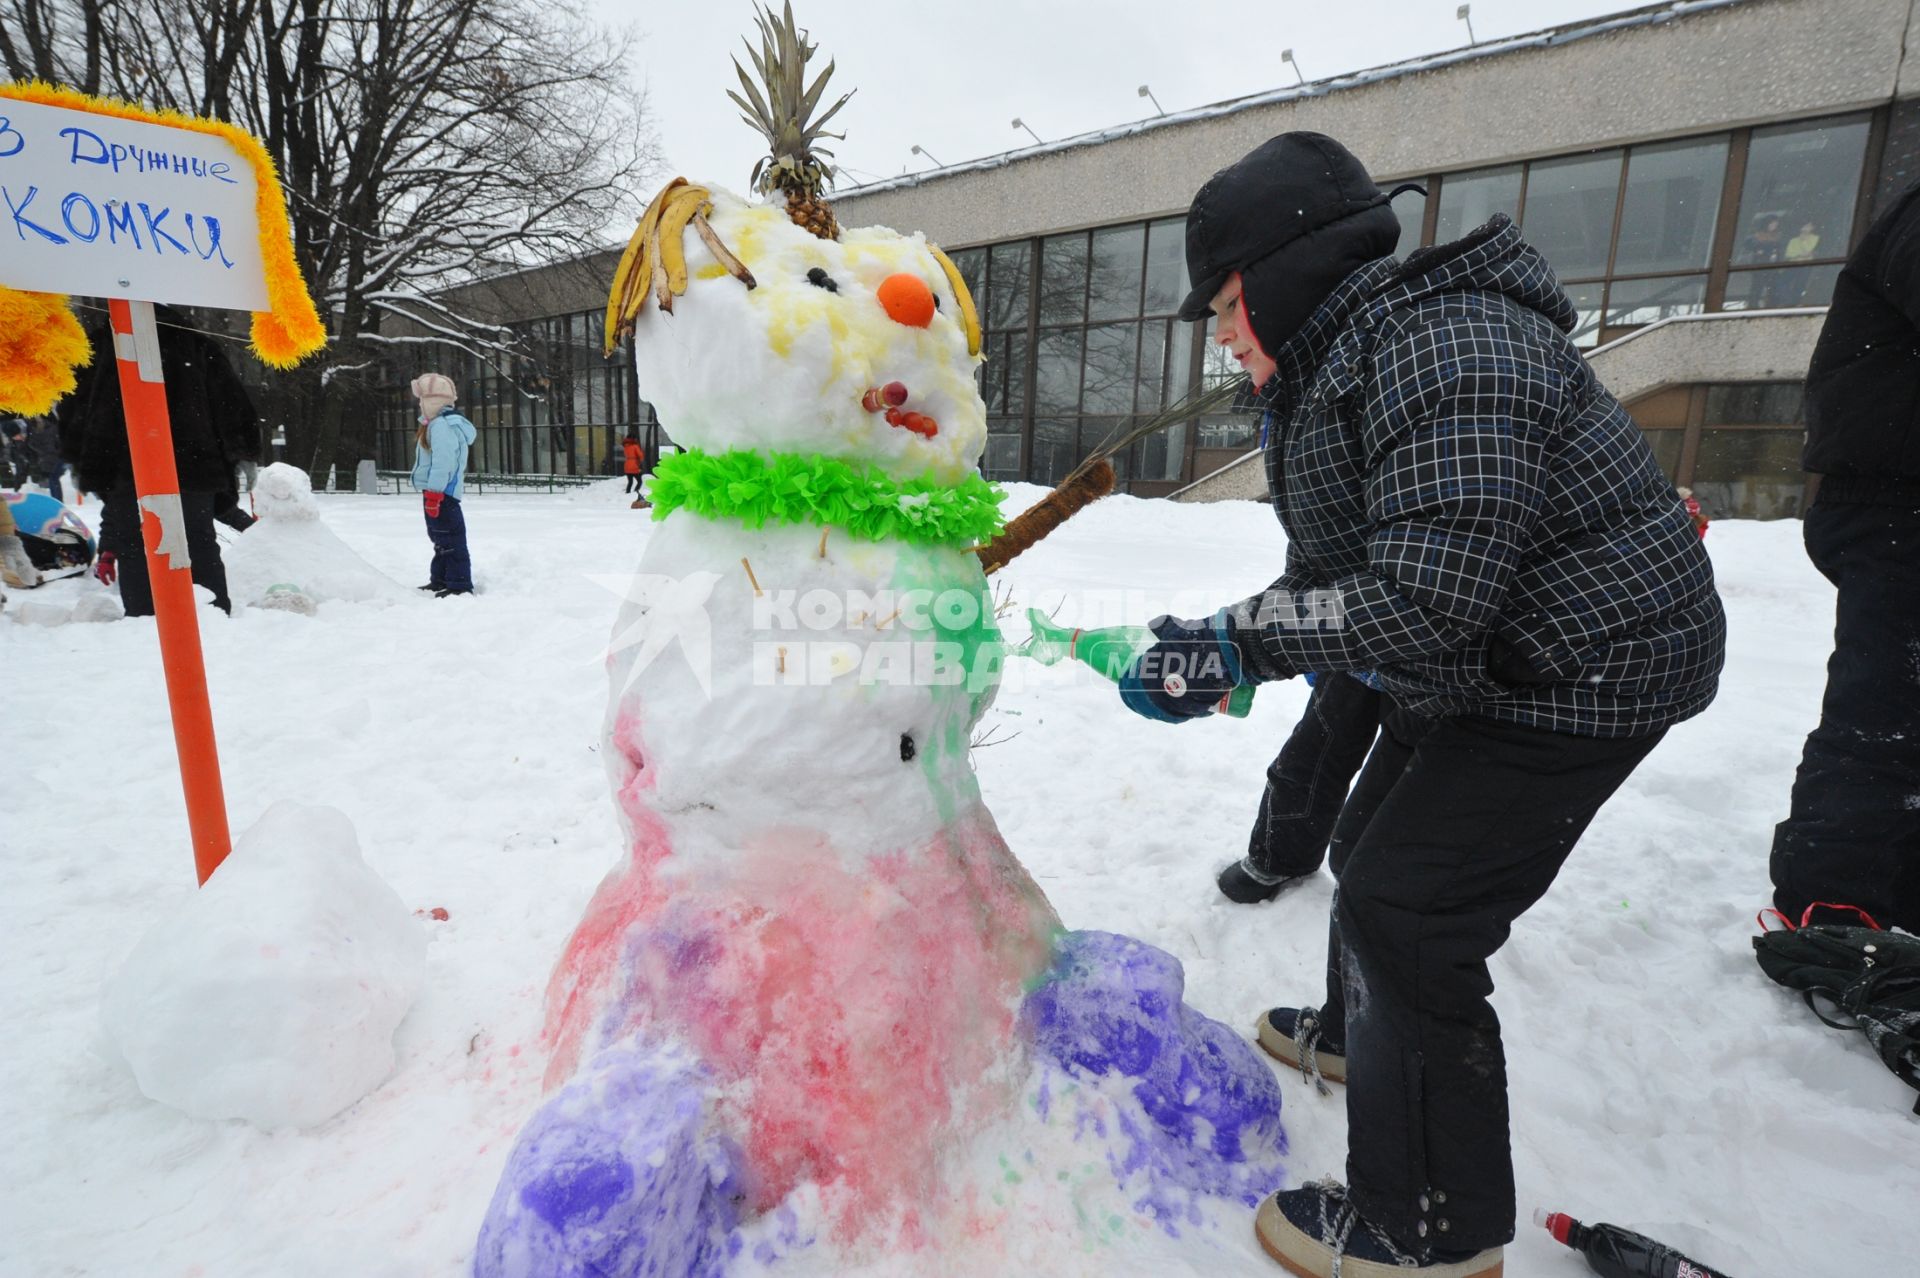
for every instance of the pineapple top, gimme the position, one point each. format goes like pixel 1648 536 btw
pixel 782 106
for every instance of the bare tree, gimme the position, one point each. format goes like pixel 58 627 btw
pixel 421 143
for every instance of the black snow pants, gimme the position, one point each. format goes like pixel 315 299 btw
pixel 120 533
pixel 1853 836
pixel 1307 781
pixel 1455 828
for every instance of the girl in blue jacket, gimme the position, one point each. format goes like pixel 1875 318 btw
pixel 439 461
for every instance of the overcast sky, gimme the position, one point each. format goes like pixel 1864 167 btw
pixel 954 83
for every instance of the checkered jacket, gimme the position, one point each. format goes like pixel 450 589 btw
pixel 1470 516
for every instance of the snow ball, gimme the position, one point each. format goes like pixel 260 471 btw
pixel 273 992
pixel 281 491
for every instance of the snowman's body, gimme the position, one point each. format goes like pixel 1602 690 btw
pixel 818 963
pixel 816 900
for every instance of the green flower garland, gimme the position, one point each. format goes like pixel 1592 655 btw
pixel 798 488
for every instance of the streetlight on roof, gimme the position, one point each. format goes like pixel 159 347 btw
pixel 1286 56
pixel 1018 123
pixel 920 150
pixel 1147 93
pixel 1465 14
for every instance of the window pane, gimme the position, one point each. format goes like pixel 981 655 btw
pixel 1053 441
pixel 1749 474
pixel 1063 279
pixel 1467 200
pixel 1666 449
pixel 1757 404
pixel 1569 214
pixel 1008 285
pixel 1057 371
pixel 1114 292
pixel 972 265
pixel 1095 431
pixel 1228 430
pixel 1667 409
pixel 1785 286
pixel 1411 208
pixel 1166 266
pixel 1644 301
pixel 1153 362
pixel 1002 458
pixel 1112 361
pixel 1673 199
pixel 1180 338
pixel 1164 453
pixel 1586 300
pixel 1005 373
pixel 1798 197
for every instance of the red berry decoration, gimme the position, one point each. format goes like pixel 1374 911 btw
pixel 895 393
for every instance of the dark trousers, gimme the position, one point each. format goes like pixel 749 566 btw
pixel 1454 829
pixel 1853 836
pixel 1307 781
pixel 452 569
pixel 120 533
pixel 633 481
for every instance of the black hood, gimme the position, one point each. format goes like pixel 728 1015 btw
pixel 1284 288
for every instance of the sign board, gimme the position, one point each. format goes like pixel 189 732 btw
pixel 105 207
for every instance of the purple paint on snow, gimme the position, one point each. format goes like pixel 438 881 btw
pixel 617 1174
pixel 1209 1108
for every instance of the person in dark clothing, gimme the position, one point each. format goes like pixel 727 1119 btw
pixel 43 455
pixel 1307 785
pixel 214 427
pixel 1478 526
pixel 1853 835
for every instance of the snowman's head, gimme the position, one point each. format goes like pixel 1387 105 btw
pixel 862 348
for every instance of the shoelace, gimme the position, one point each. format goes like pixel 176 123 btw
pixel 1337 1229
pixel 1306 1037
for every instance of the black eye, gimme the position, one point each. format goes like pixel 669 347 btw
pixel 906 747
pixel 820 279
pixel 936 301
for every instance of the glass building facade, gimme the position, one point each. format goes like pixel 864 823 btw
pixel 555 406
pixel 1081 341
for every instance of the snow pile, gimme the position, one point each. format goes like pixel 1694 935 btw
pixel 273 992
pixel 290 559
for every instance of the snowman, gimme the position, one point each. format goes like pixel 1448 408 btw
pixel 818 969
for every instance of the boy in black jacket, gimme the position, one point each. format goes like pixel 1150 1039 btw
pixel 1853 837
pixel 1476 526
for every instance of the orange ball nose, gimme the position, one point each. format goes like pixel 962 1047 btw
pixel 907 299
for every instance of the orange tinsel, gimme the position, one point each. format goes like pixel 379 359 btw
pixel 41 343
pixel 287 331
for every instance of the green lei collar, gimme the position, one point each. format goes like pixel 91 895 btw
pixel 799 488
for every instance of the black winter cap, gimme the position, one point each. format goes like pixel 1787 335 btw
pixel 1286 187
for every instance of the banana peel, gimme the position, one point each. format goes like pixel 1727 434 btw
pixel 655 261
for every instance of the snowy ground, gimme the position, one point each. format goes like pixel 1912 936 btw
pixel 1658 1080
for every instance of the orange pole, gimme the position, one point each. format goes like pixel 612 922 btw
pixel 143 396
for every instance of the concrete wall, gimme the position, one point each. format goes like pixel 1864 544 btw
pixel 1708 68
pixel 1760 346
pixel 1243 479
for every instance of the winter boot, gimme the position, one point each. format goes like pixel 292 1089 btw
pixel 1296 1036
pixel 1316 1232
pixel 1245 883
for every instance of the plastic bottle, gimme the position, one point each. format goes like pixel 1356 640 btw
pixel 1621 1253
pixel 1108 651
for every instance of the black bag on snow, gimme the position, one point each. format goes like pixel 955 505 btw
pixel 1860 978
